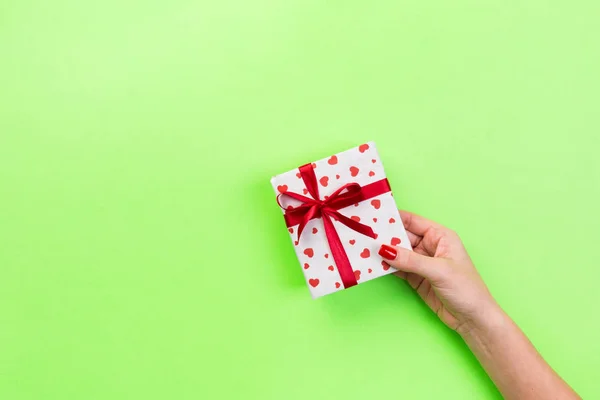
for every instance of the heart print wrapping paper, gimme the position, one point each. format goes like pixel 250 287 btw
pixel 361 165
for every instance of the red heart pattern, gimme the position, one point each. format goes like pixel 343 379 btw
pixel 363 252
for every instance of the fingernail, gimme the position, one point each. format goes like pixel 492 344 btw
pixel 387 252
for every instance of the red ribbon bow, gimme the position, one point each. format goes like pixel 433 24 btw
pixel 346 195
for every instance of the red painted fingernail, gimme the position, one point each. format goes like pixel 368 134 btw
pixel 387 252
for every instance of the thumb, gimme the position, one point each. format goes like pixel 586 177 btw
pixel 408 261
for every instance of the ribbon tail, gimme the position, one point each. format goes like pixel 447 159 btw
pixel 307 217
pixel 339 255
pixel 352 224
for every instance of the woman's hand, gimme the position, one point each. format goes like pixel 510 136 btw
pixel 442 273
pixel 440 270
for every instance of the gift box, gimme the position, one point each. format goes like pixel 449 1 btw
pixel 338 211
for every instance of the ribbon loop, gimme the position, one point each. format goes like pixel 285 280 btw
pixel 310 180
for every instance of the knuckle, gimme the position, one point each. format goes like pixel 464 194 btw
pixel 440 232
pixel 403 257
pixel 451 234
pixel 411 258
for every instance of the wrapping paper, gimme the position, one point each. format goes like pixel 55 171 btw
pixel 360 165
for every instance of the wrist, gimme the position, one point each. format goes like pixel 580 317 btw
pixel 488 320
pixel 482 334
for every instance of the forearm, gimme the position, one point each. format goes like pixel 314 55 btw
pixel 511 361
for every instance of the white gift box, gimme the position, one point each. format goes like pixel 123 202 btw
pixel 363 166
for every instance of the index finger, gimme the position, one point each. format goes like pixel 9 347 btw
pixel 418 225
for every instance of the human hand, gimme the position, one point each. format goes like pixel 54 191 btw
pixel 442 273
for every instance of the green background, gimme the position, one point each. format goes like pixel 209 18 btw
pixel 143 255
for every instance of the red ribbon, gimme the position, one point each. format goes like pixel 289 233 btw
pixel 326 209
